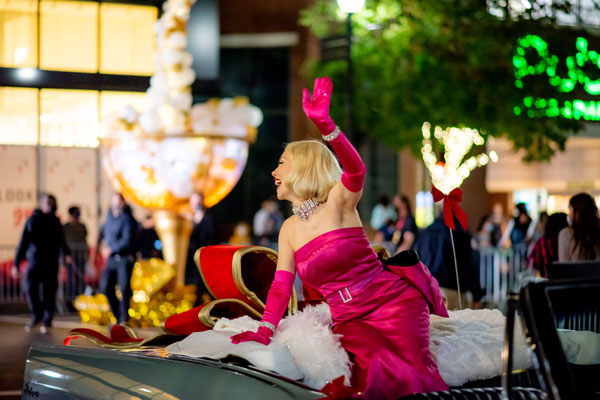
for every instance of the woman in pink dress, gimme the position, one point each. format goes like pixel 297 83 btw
pixel 380 311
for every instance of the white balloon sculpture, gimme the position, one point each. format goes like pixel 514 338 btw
pixel 160 156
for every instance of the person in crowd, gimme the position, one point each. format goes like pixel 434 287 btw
pixel 118 237
pixel 483 237
pixel 517 228
pixel 382 213
pixel 434 246
pixel 240 235
pixel 385 235
pixel 380 314
pixel 148 244
pixel 383 220
pixel 76 236
pixel 42 243
pixel 581 240
pixel 406 226
pixel 267 223
pixel 545 250
pixel 537 227
pixel 203 234
pixel 496 224
pixel 489 229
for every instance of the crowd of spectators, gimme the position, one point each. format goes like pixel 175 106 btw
pixel 559 237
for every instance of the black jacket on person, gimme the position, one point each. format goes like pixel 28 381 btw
pixel 146 243
pixel 42 240
pixel 434 247
pixel 119 233
pixel 203 234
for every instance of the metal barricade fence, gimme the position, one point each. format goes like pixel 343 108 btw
pixel 10 288
pixel 73 278
pixel 499 272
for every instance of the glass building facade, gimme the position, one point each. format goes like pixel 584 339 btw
pixel 86 44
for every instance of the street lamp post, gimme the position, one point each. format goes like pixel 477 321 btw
pixel 349 92
pixel 349 7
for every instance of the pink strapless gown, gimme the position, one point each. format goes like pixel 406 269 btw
pixel 383 318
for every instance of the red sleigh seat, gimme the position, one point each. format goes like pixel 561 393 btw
pixel 239 278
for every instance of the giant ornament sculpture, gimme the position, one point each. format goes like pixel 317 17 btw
pixel 158 157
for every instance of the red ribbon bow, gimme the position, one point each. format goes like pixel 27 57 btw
pixel 451 207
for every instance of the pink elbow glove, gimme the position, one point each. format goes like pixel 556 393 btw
pixel 277 302
pixel 354 169
pixel 317 109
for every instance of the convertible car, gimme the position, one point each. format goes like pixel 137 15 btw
pixel 559 319
pixel 69 372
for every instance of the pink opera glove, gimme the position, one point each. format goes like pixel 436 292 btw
pixel 263 335
pixel 354 169
pixel 277 302
pixel 317 109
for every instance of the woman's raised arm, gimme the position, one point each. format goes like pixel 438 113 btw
pixel 317 110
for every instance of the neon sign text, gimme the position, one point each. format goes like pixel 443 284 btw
pixel 547 64
pixel 587 110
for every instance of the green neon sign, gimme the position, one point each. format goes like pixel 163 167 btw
pixel 547 64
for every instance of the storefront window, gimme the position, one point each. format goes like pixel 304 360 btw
pixel 74 36
pixel 69 118
pixel 18 116
pixel 71 39
pixel 127 39
pixel 18 33
pixel 69 36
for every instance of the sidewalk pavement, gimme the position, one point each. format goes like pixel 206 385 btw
pixel 72 321
pixel 16 342
pixel 66 321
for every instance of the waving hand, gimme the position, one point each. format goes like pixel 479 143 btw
pixel 316 107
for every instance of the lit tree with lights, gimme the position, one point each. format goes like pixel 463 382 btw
pixel 449 172
pixel 451 63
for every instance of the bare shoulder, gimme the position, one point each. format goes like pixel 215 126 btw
pixel 287 227
pixel 565 234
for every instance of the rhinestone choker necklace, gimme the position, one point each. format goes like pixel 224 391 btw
pixel 304 210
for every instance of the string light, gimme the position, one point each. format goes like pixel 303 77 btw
pixel 450 172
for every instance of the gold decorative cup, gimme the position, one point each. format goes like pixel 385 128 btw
pixel 161 173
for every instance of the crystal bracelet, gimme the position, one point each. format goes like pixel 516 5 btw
pixel 267 325
pixel 332 135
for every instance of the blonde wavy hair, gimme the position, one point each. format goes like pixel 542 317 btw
pixel 314 172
